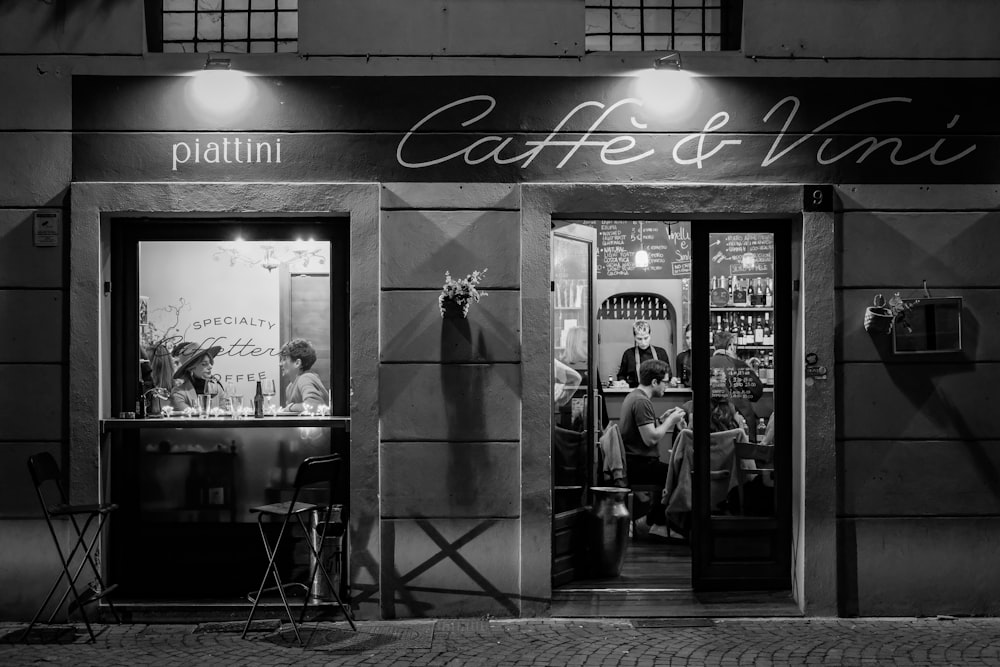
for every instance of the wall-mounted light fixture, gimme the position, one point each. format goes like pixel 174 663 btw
pixel 216 61
pixel 669 60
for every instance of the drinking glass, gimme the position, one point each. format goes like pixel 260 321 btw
pixel 235 399
pixel 267 386
pixel 204 404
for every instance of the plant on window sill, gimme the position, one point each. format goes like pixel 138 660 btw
pixel 460 293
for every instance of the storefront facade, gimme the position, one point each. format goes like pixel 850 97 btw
pixel 881 183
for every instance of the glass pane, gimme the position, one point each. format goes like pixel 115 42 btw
pixel 598 43
pixel 209 25
pixel 571 265
pixel 598 21
pixel 657 20
pixel 741 373
pixel 234 299
pixel 625 21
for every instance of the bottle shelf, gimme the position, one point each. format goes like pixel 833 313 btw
pixel 740 309
pixel 754 347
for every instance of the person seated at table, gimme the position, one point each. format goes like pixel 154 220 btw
pixel 641 431
pixel 641 351
pixel 305 389
pixel 195 374
pixel 743 385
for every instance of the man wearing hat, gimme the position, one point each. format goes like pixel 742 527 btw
pixel 194 370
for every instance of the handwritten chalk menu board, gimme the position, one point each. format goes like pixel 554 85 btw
pixel 667 242
pixel 735 382
pixel 741 255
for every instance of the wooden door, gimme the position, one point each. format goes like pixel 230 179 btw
pixel 741 537
pixel 574 426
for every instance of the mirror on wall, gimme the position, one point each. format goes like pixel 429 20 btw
pixel 930 326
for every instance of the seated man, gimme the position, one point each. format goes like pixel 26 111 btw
pixel 305 388
pixel 642 431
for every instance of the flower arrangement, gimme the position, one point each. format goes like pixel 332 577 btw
pixel 461 292
pixel 900 309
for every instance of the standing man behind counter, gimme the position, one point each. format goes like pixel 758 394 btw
pixel 642 351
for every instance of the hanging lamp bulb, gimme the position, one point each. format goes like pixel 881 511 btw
pixel 641 256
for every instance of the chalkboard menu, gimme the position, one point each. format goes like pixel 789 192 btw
pixel 742 255
pixel 667 243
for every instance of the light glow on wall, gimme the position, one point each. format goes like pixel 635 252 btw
pixel 220 92
pixel 665 91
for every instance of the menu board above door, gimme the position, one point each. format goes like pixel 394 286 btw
pixel 667 244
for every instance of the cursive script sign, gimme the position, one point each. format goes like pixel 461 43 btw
pixel 693 149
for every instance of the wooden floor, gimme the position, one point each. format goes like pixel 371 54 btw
pixel 656 583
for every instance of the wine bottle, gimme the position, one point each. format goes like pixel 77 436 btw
pixel 751 294
pixel 258 401
pixel 140 402
pixel 768 294
pixel 758 331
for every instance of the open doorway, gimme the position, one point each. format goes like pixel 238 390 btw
pixel 635 287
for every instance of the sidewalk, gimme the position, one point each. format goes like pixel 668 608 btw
pixel 568 642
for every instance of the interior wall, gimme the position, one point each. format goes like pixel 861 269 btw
pixel 919 443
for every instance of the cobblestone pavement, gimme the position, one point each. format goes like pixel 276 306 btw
pixel 563 642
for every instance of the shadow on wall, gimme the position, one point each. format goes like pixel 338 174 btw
pixel 465 409
pixel 919 379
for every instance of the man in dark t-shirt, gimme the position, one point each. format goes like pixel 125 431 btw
pixel 642 431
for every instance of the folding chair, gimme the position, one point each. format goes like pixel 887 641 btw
pixel 314 471
pixel 45 475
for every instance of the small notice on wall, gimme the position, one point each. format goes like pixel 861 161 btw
pixel 46 228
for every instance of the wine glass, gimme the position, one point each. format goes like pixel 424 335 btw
pixel 267 387
pixel 235 399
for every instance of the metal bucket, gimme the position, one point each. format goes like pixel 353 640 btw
pixel 330 550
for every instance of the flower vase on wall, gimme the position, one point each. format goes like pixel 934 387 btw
pixel 453 309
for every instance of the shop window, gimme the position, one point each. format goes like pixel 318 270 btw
pixel 658 25
pixel 215 26
pixel 241 292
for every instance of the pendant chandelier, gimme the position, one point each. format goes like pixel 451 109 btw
pixel 270 256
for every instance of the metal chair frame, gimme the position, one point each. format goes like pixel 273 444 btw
pixel 43 468
pixel 313 471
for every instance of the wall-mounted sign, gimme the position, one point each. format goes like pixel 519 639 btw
pixel 520 129
pixel 46 228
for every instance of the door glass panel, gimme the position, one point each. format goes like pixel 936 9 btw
pixel 740 374
pixel 572 419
